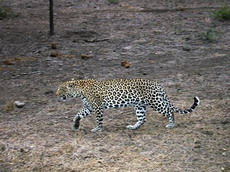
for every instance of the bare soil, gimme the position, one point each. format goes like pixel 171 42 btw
pixel 159 40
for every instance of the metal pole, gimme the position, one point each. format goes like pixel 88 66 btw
pixel 51 18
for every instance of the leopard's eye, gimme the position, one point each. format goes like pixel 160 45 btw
pixel 64 98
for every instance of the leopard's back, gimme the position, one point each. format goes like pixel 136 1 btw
pixel 128 92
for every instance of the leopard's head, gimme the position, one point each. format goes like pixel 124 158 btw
pixel 68 90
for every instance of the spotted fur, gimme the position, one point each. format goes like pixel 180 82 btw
pixel 138 93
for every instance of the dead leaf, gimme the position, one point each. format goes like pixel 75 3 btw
pixel 8 62
pixel 86 56
pixel 14 60
pixel 9 106
pixel 54 54
pixel 54 45
pixel 126 64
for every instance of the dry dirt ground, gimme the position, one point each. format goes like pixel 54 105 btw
pixel 177 43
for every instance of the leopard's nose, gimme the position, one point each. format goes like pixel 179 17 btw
pixel 62 98
pixel 59 99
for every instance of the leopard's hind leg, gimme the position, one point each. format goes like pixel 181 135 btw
pixel 140 113
pixel 171 119
pixel 164 108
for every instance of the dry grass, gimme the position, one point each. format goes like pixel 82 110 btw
pixel 9 106
pixel 123 150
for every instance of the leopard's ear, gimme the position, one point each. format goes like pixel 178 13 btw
pixel 71 84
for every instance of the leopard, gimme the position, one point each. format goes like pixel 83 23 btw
pixel 99 95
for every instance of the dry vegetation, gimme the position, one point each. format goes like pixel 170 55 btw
pixel 180 44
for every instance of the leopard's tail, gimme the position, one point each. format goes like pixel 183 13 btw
pixel 195 104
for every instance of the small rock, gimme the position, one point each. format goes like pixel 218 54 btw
pixel 22 150
pixel 19 104
pixel 126 64
pixel 127 48
pixel 186 49
pixel 197 142
pixel 160 53
pixel 224 154
pixel 197 146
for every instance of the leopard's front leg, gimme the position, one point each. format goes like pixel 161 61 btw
pixel 82 114
pixel 99 120
pixel 140 113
